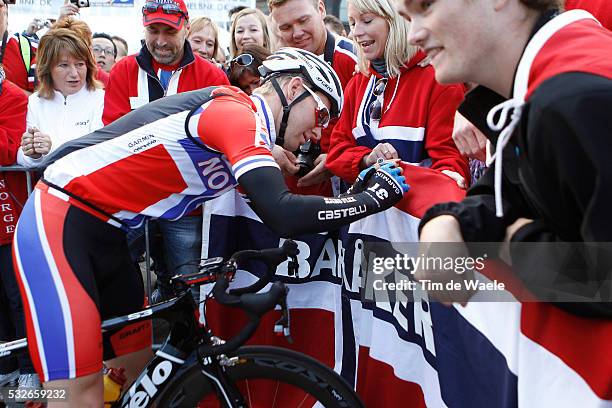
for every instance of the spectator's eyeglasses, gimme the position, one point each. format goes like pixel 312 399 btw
pixel 321 112
pixel 100 50
pixel 151 7
pixel 376 105
pixel 244 60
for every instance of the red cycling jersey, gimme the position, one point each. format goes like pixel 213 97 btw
pixel 237 137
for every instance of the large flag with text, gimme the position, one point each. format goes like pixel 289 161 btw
pixel 411 351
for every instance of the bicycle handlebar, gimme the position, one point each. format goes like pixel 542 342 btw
pixel 272 258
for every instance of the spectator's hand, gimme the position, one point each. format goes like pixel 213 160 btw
pixel 34 26
pixel 440 230
pixel 384 151
pixel 41 142
pixel 318 174
pixel 469 140
pixel 68 10
pixel 362 178
pixel 455 176
pixel 285 160
pixel 27 144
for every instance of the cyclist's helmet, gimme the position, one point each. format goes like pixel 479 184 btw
pixel 318 72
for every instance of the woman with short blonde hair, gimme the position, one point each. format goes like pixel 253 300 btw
pixel 203 36
pixel 393 115
pixel 249 27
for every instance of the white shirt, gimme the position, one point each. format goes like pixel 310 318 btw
pixel 63 118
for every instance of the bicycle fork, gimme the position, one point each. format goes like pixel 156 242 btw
pixel 224 386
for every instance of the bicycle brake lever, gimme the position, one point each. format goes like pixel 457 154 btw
pixel 207 271
pixel 283 325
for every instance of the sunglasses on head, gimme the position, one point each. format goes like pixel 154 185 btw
pixel 322 115
pixel 376 105
pixel 151 7
pixel 244 60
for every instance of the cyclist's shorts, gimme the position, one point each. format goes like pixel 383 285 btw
pixel 74 270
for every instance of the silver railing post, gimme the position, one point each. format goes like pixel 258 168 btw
pixel 148 260
pixel 28 173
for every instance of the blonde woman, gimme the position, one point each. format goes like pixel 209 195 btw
pixel 203 36
pixel 249 27
pixel 395 108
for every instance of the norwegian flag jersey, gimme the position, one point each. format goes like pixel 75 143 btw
pixel 165 159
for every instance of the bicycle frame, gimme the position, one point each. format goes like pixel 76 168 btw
pixel 183 339
pixel 188 340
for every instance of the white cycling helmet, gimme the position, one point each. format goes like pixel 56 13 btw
pixel 318 72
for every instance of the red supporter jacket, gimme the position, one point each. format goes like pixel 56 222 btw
pixel 103 77
pixel 417 119
pixel 13 191
pixel 133 82
pixel 600 9
pixel 15 66
pixel 344 61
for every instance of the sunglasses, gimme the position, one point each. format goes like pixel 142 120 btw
pixel 376 105
pixel 322 115
pixel 244 60
pixel 151 7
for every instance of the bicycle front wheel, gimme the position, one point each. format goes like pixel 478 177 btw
pixel 267 377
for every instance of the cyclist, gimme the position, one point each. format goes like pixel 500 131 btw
pixel 163 160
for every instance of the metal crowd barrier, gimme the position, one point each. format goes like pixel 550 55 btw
pixel 28 171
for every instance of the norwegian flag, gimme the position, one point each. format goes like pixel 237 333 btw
pixel 418 352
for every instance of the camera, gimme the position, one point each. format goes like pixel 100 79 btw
pixel 306 155
pixel 38 24
pixel 80 3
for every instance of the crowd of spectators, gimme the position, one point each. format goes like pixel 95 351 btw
pixel 69 83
